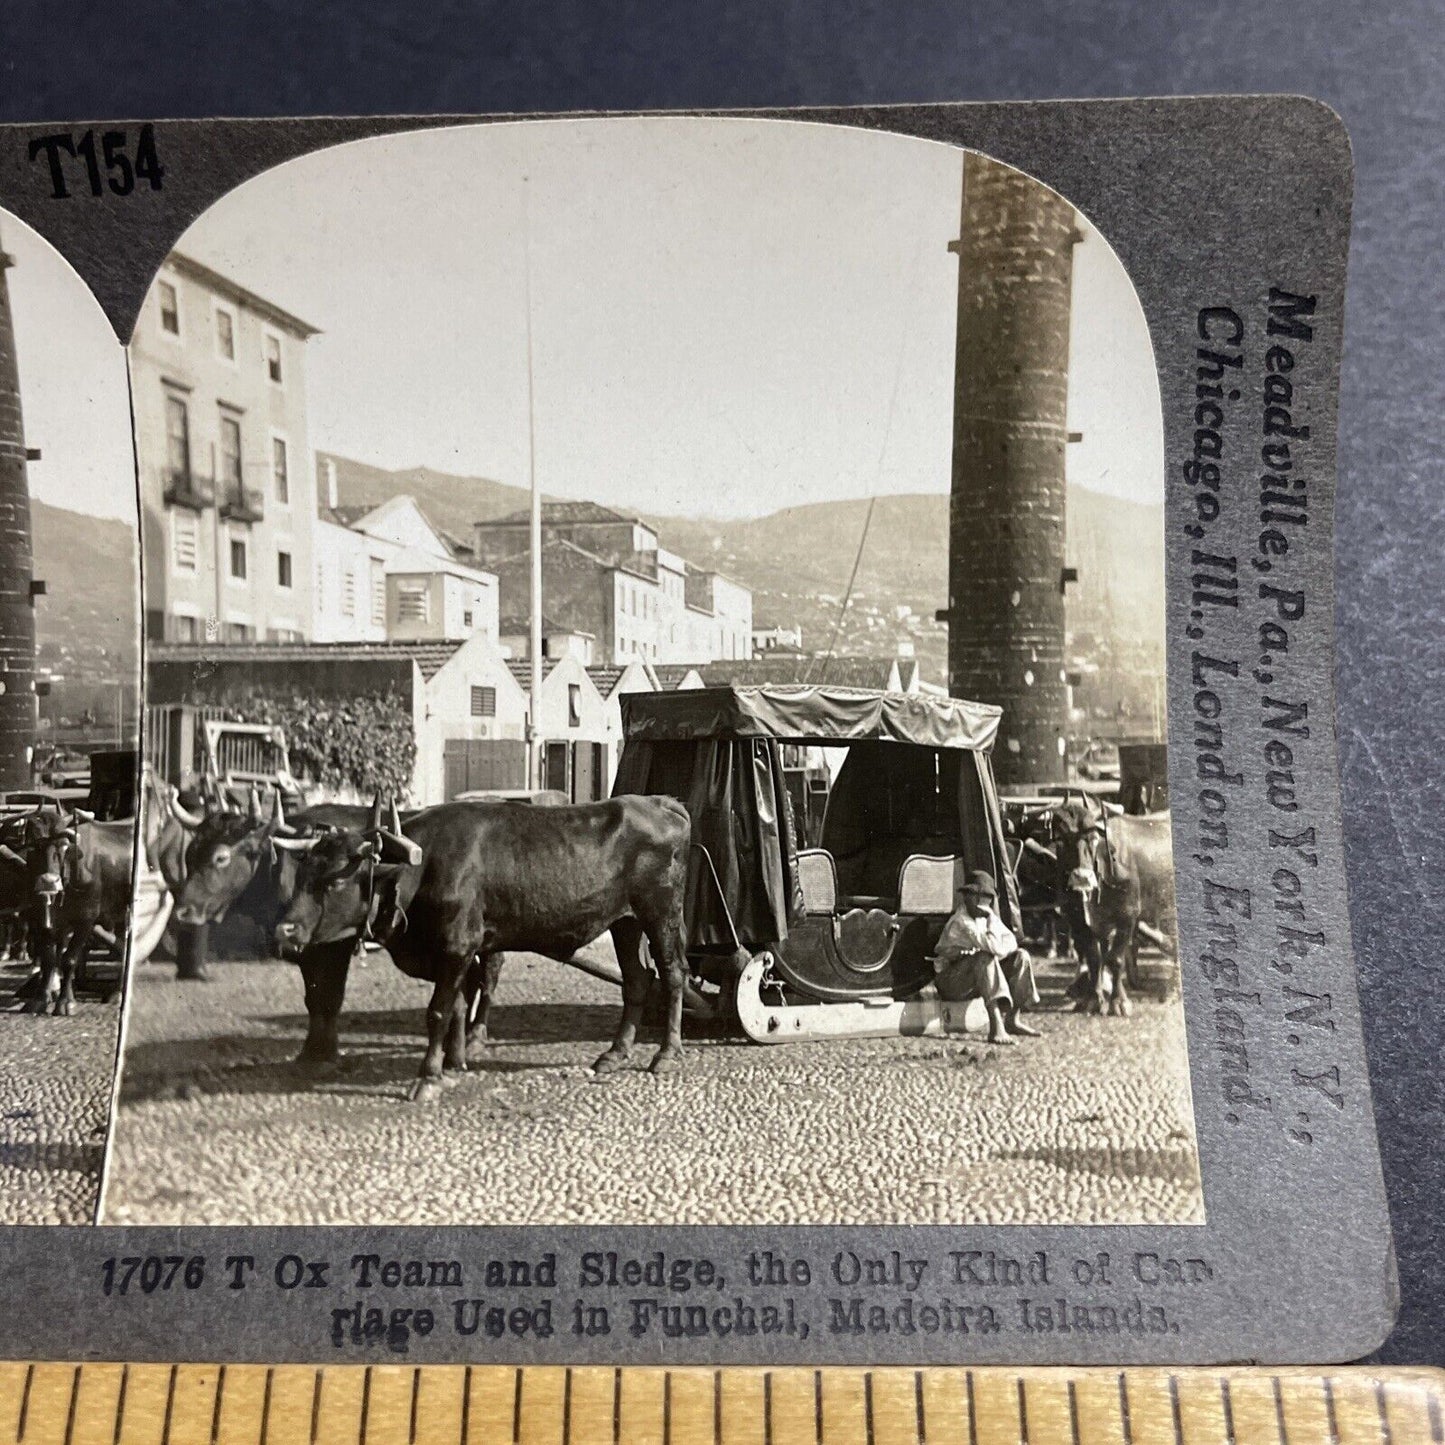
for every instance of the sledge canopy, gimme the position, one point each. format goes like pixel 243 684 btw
pixel 809 714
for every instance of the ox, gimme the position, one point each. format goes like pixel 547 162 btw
pixel 460 883
pixel 79 874
pixel 1118 880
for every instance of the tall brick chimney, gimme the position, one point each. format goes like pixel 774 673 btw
pixel 17 611
pixel 1010 432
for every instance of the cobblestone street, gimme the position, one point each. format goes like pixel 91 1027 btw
pixel 1089 1124
pixel 55 1083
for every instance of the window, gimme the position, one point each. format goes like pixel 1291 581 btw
pixel 484 702
pixel 413 602
pixel 178 439
pixel 283 634
pixel 238 559
pixel 280 471
pixel 467 619
pixel 225 333
pixel 184 629
pixel 283 570
pixel 185 542
pixel 574 705
pixel 273 357
pixel 240 632
pixel 231 454
pixel 348 592
pixel 170 310
pixel 378 592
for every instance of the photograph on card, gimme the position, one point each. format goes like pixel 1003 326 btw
pixel 69 711
pixel 655 690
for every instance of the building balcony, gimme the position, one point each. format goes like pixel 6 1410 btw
pixel 243 504
pixel 182 489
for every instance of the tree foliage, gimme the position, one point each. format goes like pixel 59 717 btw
pixel 364 742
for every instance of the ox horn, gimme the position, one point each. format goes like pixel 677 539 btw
pixel 85 815
pixel 10 855
pixel 253 807
pixel 183 817
pixel 294 845
pixel 278 814
pixel 373 824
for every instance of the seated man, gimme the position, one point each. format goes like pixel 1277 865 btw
pixel 978 957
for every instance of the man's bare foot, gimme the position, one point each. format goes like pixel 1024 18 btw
pixel 1001 1036
pixel 1027 1031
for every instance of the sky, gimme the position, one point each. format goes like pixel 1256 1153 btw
pixel 728 316
pixel 74 396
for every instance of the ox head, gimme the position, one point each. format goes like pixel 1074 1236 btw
pixel 345 878
pixel 226 847
pixel 1084 858
pixel 51 856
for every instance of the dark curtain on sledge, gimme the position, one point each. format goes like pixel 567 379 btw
pixel 736 796
pixel 889 802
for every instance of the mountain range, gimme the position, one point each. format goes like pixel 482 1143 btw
pixel 798 561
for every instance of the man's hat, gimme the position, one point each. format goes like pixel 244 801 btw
pixel 979 885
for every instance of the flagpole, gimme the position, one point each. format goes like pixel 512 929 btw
pixel 534 745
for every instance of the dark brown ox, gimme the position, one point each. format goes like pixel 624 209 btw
pixel 79 874
pixel 458 884
pixel 1117 873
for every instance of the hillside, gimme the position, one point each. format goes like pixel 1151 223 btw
pixel 86 625
pixel 797 561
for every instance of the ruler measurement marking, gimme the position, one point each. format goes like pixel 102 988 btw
pixel 365 1406
pixel 171 1404
pixel 265 1404
pixel 120 1403
pixel 25 1403
pixel 1330 1415
pixel 216 1408
pixel 1355 1404
pixel 70 1412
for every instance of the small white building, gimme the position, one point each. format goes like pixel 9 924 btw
pixel 385 573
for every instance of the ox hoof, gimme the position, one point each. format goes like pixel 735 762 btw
pixel 610 1063
pixel 1121 1008
pixel 38 1006
pixel 65 1008
pixel 192 975
pixel 666 1061
pixel 426 1091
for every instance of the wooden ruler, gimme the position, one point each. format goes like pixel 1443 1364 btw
pixel 380 1404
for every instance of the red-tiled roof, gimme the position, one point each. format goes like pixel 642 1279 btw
pixel 430 657
pixel 606 677
pixel 561 512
